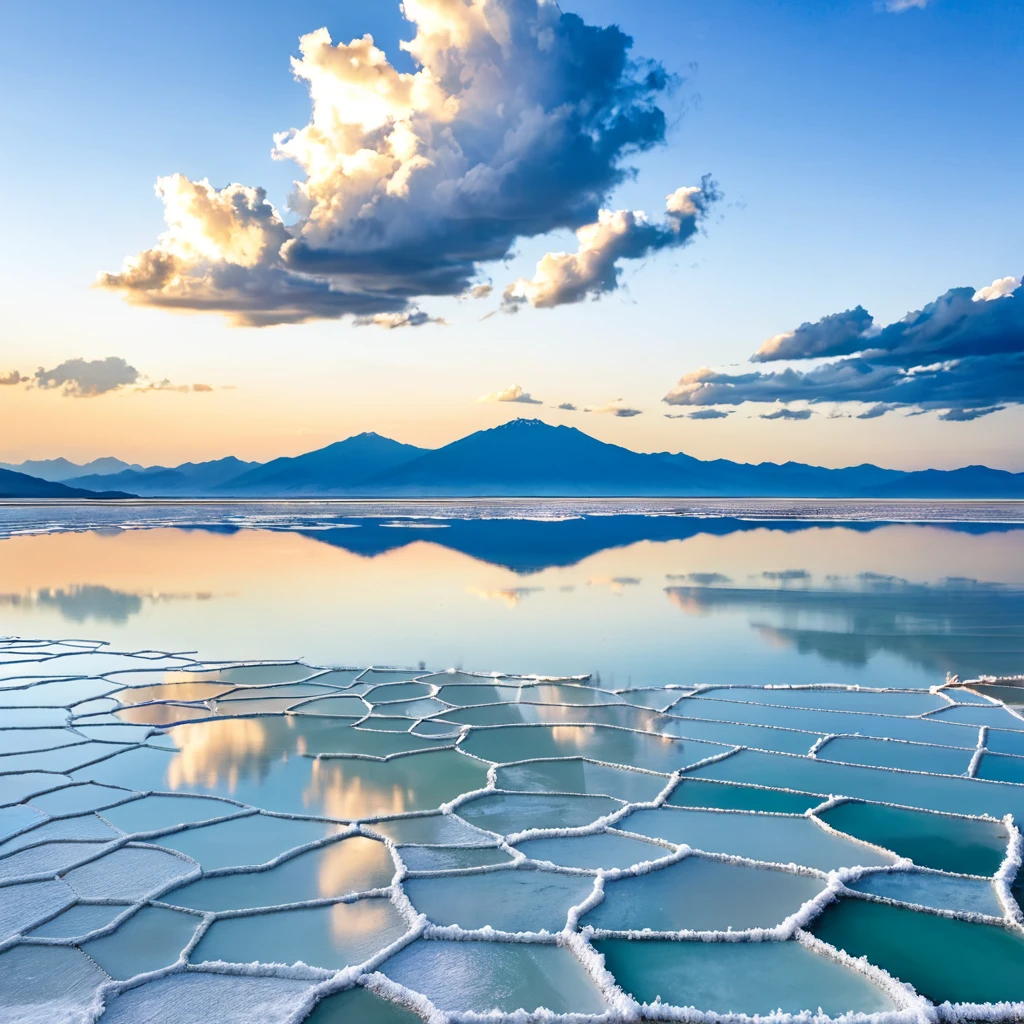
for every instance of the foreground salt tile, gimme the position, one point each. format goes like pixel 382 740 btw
pixel 78 921
pixel 944 959
pixel 47 984
pixel 507 900
pixel 248 841
pixel 726 796
pixel 601 850
pixel 739 977
pixel 360 1006
pixel 939 892
pixel 506 813
pixel 22 906
pixel 332 937
pixel 337 869
pixel 778 839
pixel 600 743
pixel 941 841
pixel 188 998
pixel 485 976
pixel 697 894
pixel 440 858
pixel 580 776
pixel 131 873
pixel 155 813
pixel 150 939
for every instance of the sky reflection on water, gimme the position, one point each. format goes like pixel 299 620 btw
pixel 641 600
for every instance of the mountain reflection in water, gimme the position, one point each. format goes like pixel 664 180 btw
pixel 635 599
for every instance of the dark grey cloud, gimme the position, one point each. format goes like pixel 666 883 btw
pixel 87 378
pixel 567 407
pixel 700 414
pixel 962 354
pixel 519 120
pixel 788 414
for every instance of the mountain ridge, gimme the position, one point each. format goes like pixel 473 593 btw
pixel 531 458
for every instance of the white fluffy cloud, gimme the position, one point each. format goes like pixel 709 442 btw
pixel 513 393
pixel 564 277
pixel 899 6
pixel 518 120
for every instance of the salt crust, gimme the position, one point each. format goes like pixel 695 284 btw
pixel 300 986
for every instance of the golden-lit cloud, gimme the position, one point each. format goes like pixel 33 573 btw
pixel 412 179
pixel 565 277
pixel 513 393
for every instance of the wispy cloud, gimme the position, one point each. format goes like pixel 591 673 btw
pixel 899 6
pixel 616 408
pixel 407 318
pixel 411 180
pixel 961 355
pixel 513 393
pixel 699 414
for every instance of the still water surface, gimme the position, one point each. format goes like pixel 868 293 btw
pixel 641 593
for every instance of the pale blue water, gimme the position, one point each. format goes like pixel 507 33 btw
pixel 749 727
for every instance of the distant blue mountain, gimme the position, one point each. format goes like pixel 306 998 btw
pixel 186 480
pixel 530 458
pixel 21 485
pixel 336 469
pixel 61 470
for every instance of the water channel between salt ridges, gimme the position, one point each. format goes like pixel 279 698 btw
pixel 184 840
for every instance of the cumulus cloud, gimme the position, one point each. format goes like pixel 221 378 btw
pixel 899 6
pixel 962 355
pixel 567 407
pixel 616 408
pixel 406 318
pixel 564 277
pixel 480 291
pixel 513 393
pixel 14 377
pixel 517 120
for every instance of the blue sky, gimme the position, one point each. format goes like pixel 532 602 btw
pixel 864 157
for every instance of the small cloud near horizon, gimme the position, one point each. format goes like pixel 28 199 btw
pixel 14 377
pixel 615 408
pixel 513 393
pixel 90 378
pixel 788 414
pixel 392 321
pixel 567 407
pixel 700 414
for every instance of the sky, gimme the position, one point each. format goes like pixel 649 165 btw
pixel 837 165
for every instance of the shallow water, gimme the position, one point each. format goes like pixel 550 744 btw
pixel 292 828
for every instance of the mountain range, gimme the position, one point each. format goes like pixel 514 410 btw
pixel 523 457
